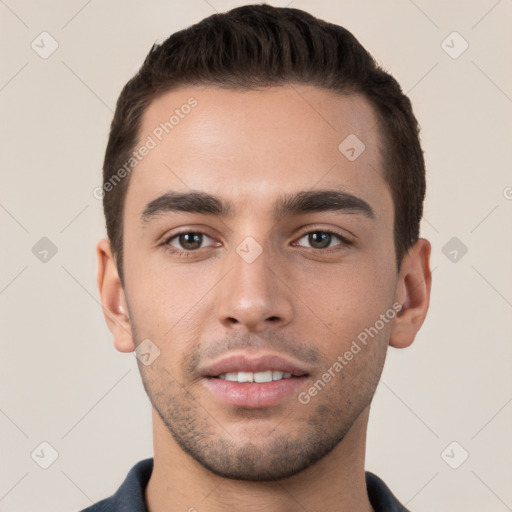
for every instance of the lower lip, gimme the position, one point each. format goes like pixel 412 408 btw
pixel 252 395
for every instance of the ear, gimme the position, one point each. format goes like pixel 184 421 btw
pixel 413 293
pixel 112 296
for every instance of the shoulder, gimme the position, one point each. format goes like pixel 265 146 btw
pixel 101 506
pixel 130 495
pixel 381 497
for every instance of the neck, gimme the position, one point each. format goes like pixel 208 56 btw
pixel 336 483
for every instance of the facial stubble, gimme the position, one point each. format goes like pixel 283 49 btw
pixel 290 442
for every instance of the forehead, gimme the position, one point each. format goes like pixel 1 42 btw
pixel 252 146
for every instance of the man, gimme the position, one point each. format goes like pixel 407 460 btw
pixel 263 188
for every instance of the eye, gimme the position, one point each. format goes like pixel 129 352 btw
pixel 186 241
pixel 321 239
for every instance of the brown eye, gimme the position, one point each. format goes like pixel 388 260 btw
pixel 322 239
pixel 188 241
pixel 319 240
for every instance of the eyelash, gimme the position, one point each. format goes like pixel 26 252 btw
pixel 184 253
pixel 344 241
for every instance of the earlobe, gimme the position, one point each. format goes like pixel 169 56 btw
pixel 413 293
pixel 113 299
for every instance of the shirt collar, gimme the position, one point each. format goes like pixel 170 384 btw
pixel 130 496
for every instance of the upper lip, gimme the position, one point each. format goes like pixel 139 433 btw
pixel 244 363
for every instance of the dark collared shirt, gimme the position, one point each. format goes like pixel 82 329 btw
pixel 130 496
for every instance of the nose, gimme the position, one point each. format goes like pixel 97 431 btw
pixel 253 295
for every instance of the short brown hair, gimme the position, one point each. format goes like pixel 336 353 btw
pixel 260 46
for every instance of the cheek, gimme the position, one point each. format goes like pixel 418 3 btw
pixel 340 303
pixel 162 297
pixel 169 308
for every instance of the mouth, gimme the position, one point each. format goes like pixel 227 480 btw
pixel 254 382
pixel 258 377
pixel 245 368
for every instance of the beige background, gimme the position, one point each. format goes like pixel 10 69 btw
pixel 61 379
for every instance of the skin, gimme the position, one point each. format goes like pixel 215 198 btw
pixel 249 148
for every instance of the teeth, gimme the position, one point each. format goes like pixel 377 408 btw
pixel 245 377
pixel 266 376
pixel 263 376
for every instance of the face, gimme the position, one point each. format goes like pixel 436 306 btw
pixel 258 256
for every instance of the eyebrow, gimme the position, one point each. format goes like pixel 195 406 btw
pixel 291 204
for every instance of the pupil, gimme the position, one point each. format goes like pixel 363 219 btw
pixel 188 239
pixel 315 240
